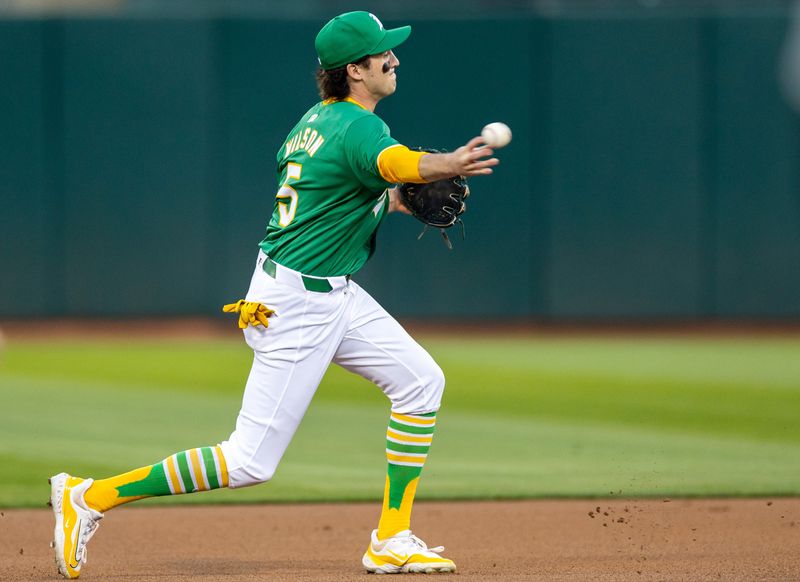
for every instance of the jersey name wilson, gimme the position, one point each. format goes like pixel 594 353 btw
pixel 307 139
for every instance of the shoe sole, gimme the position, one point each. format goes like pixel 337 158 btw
pixel 412 568
pixel 57 486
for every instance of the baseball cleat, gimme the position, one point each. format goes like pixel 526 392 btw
pixel 404 553
pixel 75 522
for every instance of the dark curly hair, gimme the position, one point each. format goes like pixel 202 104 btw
pixel 332 84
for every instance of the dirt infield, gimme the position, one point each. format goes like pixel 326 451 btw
pixel 742 539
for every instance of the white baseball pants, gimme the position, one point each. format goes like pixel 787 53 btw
pixel 309 331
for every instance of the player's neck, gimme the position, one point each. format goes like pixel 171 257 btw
pixel 363 98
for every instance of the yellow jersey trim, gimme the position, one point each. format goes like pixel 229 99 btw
pixel 348 99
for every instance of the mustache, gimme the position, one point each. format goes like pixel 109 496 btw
pixel 386 68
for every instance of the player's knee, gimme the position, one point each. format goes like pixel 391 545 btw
pixel 253 475
pixel 250 474
pixel 244 469
pixel 436 386
pixel 424 394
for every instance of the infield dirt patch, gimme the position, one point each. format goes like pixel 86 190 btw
pixel 724 539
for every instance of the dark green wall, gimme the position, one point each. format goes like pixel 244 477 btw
pixel 653 174
pixel 756 165
pixel 626 168
pixel 26 202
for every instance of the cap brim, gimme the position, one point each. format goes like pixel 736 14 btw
pixel 394 37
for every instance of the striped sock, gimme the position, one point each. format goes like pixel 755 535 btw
pixel 200 469
pixel 408 440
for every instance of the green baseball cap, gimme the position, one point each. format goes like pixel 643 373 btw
pixel 354 35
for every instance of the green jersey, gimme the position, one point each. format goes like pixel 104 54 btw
pixel 331 197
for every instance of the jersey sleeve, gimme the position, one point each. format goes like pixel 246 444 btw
pixel 364 141
pixel 399 164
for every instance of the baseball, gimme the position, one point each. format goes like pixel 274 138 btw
pixel 496 134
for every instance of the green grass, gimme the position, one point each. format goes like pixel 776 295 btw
pixel 522 417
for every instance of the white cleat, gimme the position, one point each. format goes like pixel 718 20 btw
pixel 75 522
pixel 404 553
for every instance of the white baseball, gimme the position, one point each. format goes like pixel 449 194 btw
pixel 496 134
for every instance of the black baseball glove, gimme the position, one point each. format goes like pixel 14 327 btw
pixel 438 204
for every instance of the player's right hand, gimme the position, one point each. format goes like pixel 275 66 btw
pixel 470 159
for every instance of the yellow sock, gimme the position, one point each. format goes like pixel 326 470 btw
pixel 394 520
pixel 200 469
pixel 408 440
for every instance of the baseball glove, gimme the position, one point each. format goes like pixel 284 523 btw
pixel 438 204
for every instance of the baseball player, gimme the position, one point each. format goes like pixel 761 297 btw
pixel 303 311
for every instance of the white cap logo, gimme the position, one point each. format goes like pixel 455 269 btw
pixel 375 18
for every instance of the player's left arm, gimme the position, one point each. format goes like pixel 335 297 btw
pixel 396 202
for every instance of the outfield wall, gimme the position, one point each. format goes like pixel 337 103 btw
pixel 654 172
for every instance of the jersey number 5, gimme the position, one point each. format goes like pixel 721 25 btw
pixel 287 210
